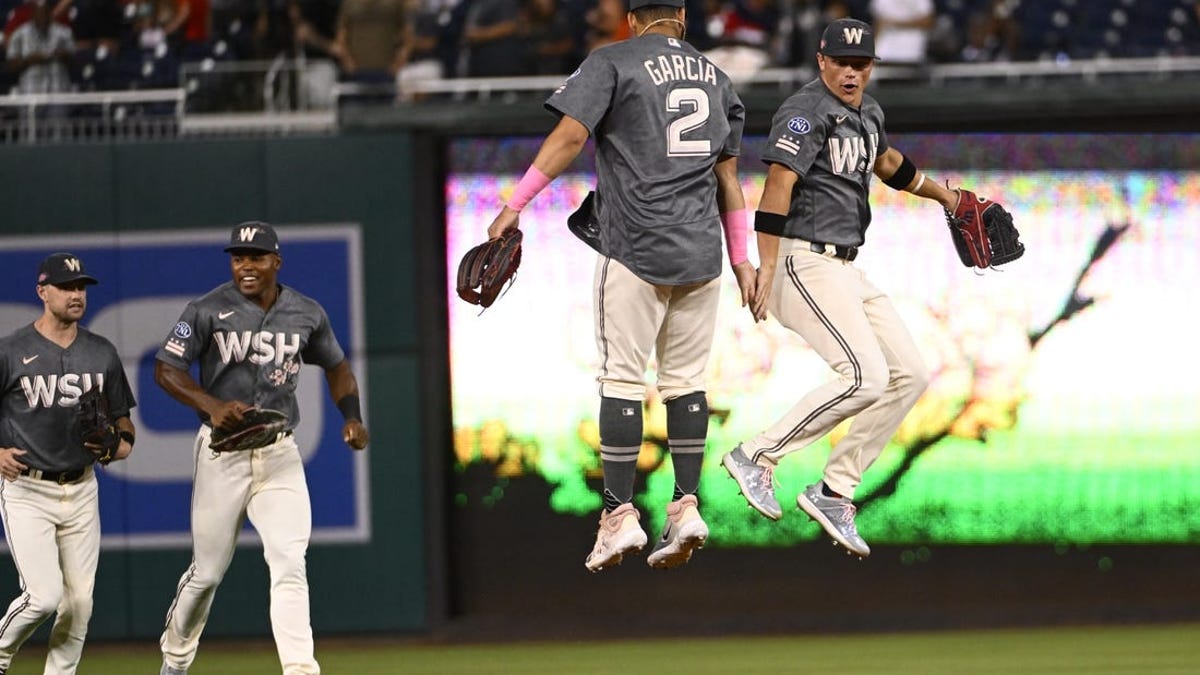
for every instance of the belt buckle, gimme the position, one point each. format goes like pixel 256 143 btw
pixel 62 478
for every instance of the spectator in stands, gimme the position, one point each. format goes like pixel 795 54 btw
pixel 902 29
pixel 95 24
pixel 492 38
pixel 274 33
pixel 189 28
pixel 992 34
pixel 546 33
pixel 746 32
pixel 371 42
pixel 313 30
pixel 39 51
pixel 606 23
pixel 425 58
pixel 21 11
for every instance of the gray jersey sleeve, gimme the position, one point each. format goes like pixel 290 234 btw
pixel 798 133
pixel 323 349
pixel 586 93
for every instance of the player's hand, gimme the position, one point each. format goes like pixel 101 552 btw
pixel 506 220
pixel 762 291
pixel 355 434
pixel 123 450
pixel 746 280
pixel 10 466
pixel 228 414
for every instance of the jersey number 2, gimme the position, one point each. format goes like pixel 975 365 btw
pixel 697 99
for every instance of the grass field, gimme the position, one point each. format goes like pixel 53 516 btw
pixel 1140 650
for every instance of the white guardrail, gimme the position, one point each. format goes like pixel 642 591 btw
pixel 294 96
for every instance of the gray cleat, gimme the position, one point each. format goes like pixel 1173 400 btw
pixel 756 482
pixel 836 516
pixel 168 670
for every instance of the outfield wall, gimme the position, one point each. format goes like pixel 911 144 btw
pixel 134 209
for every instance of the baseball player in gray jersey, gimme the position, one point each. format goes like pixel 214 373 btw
pixel 668 126
pixel 826 141
pixel 47 484
pixel 250 336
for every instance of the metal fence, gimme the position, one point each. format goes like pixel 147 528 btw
pixel 295 96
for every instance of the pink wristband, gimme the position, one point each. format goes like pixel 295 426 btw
pixel 735 226
pixel 531 183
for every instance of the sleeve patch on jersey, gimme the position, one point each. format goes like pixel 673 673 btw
pixel 786 145
pixel 183 330
pixel 175 347
pixel 799 125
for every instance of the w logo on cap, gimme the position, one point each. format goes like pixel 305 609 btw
pixel 248 233
pixel 852 35
pixel 72 264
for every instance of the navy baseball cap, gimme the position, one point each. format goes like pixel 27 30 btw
pixel 638 4
pixel 848 37
pixel 253 235
pixel 63 268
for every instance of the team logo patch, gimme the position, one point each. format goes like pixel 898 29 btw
pixel 799 125
pixel 183 330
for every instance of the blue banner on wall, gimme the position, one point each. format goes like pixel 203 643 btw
pixel 146 279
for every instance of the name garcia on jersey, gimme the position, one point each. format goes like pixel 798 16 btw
pixel 43 391
pixel 674 67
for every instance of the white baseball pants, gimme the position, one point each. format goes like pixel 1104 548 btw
pixel 879 370
pixel 634 316
pixel 268 486
pixel 53 533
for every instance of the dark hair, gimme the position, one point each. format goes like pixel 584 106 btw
pixel 650 13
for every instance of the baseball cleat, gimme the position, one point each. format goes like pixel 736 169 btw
pixel 683 532
pixel 756 482
pixel 836 516
pixel 619 534
pixel 167 669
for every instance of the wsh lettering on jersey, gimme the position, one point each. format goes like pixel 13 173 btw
pixel 41 390
pixel 845 153
pixel 259 348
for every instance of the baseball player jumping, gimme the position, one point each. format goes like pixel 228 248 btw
pixel 667 125
pixel 48 493
pixel 251 336
pixel 826 141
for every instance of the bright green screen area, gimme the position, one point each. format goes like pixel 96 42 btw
pixel 1056 420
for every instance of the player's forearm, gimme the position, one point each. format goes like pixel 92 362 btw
pixel 561 147
pixel 341 381
pixel 180 385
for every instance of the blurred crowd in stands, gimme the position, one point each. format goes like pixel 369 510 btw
pixel 87 45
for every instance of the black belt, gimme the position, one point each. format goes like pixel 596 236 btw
pixel 60 477
pixel 846 253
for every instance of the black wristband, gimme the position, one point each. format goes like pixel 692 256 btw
pixel 769 223
pixel 349 406
pixel 126 436
pixel 903 176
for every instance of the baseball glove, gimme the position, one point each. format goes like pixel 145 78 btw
pixel 486 268
pixel 259 428
pixel 983 232
pixel 97 430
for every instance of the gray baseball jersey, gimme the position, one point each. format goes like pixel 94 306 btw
pixel 41 384
pixel 247 354
pixel 662 115
pixel 832 147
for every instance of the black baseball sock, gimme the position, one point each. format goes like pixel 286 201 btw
pixel 687 429
pixel 620 443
